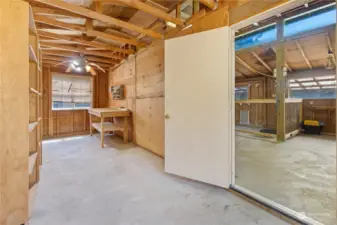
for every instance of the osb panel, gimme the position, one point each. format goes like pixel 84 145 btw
pixel 149 124
pixel 292 116
pixel 150 72
pixel 64 122
pixel 79 121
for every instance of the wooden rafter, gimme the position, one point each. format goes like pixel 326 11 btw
pixel 80 50
pixel 196 6
pixel 243 63
pixel 303 53
pixel 55 12
pixel 262 62
pixel 152 10
pixel 98 16
pixel 84 42
pixel 56 23
pixel 285 60
pixel 65 59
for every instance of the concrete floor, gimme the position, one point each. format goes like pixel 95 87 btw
pixel 82 184
pixel 299 173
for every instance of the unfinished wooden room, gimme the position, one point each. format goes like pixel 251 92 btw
pixel 170 112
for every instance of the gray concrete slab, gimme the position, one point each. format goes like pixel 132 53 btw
pixel 299 173
pixel 122 184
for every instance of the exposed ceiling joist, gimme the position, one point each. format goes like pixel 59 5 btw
pixel 98 16
pixel 262 62
pixel 84 42
pixel 80 50
pixel 57 12
pixel 303 53
pixel 65 59
pixel 152 10
pixel 243 63
pixel 46 20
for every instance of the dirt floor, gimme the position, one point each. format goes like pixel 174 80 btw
pixel 123 184
pixel 299 173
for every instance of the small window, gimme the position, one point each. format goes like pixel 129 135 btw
pixel 241 93
pixel 71 92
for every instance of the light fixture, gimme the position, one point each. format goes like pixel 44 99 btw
pixel 312 88
pixel 256 24
pixel 309 84
pixel 75 63
pixel 297 88
pixel 332 82
pixel 329 87
pixel 294 85
pixel 87 68
pixel 330 64
pixel 305 79
pixel 170 24
pixel 291 81
pixel 79 69
pixel 306 5
pixel 325 78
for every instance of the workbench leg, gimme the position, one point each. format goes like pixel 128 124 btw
pixel 90 124
pixel 102 132
pixel 126 130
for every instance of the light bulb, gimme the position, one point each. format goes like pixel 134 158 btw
pixel 330 64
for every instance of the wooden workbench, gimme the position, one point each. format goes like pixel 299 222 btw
pixel 104 126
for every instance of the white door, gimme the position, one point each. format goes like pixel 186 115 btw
pixel 197 102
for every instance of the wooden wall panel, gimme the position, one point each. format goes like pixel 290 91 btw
pixel 143 77
pixel 70 122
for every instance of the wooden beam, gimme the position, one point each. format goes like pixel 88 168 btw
pixel 243 63
pixel 330 47
pixel 54 12
pixel 60 53
pixel 209 3
pixel 76 49
pixel 303 53
pixel 178 11
pixel 56 23
pixel 98 16
pixel 84 42
pixel 153 11
pixel 96 59
pixel 262 62
pixel 280 82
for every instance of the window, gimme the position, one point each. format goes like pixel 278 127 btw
pixel 71 92
pixel 241 93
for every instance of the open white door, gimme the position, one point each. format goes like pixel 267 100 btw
pixel 197 107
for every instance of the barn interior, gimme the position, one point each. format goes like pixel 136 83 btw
pixel 299 168
pixel 134 116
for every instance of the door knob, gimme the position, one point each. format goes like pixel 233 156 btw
pixel 167 116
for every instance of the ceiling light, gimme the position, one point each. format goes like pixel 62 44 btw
pixel 294 85
pixel 327 82
pixel 325 78
pixel 87 68
pixel 312 88
pixel 75 63
pixel 170 24
pixel 79 69
pixel 291 81
pixel 305 79
pixel 256 24
pixel 297 88
pixel 329 87
pixel 330 64
pixel 306 5
pixel 309 84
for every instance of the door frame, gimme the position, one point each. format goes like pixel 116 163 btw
pixel 231 79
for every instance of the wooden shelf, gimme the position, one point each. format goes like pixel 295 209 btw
pixel 32 162
pixel 35 91
pixel 33 125
pixel 32 55
pixel 107 127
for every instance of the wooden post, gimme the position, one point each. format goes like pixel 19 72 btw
pixel 90 123
pixel 126 130
pixel 280 82
pixel 178 11
pixel 102 131
pixel 196 6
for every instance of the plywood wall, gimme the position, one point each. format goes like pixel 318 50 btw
pixel 70 122
pixel 143 78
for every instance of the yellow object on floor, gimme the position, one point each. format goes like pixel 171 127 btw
pixel 311 123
